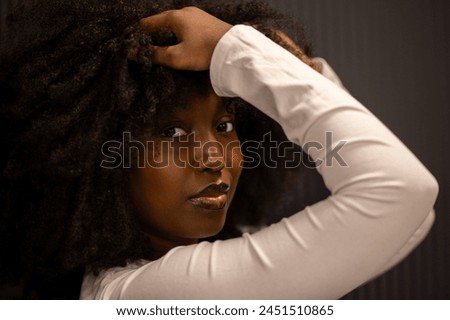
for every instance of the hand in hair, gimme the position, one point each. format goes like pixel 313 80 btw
pixel 197 31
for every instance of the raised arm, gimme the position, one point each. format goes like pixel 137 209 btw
pixel 380 197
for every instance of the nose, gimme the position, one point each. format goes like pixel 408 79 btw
pixel 211 156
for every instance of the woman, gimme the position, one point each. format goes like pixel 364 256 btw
pixel 381 195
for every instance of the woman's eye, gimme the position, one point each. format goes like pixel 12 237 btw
pixel 227 126
pixel 173 132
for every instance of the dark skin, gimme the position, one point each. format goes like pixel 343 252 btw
pixel 197 148
pixel 162 195
pixel 198 33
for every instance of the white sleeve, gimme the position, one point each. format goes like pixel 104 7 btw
pixel 328 72
pixel 379 198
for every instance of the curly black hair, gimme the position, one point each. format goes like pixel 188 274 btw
pixel 67 86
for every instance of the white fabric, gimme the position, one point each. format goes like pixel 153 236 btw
pixel 378 205
pixel 423 230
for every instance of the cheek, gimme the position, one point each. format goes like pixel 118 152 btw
pixel 156 193
pixel 164 183
pixel 235 158
pixel 156 187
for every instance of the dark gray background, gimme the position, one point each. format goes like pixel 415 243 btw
pixel 394 56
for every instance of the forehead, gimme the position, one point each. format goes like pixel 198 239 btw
pixel 197 106
pixel 175 93
pixel 176 89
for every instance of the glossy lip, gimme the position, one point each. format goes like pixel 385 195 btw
pixel 213 197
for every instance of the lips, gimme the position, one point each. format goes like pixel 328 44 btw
pixel 213 197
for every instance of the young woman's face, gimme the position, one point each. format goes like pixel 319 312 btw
pixel 190 175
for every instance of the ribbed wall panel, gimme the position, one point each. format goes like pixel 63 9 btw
pixel 394 56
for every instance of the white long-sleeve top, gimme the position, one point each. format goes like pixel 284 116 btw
pixel 378 210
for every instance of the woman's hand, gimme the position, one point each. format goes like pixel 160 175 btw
pixel 197 31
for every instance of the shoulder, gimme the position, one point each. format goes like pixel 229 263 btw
pixel 105 284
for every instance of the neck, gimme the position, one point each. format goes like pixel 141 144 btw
pixel 163 245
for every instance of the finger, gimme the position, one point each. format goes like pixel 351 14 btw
pixel 156 22
pixel 168 56
pixel 177 57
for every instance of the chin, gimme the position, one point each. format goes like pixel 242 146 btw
pixel 211 231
